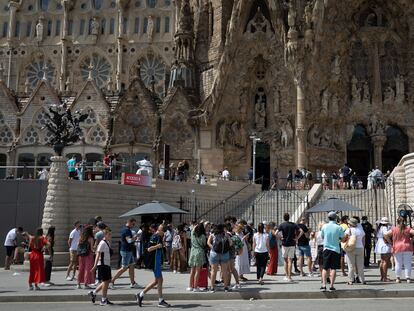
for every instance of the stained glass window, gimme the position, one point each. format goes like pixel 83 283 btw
pixel 31 136
pixel 101 69
pixel 97 4
pixel 152 67
pixel 152 3
pixel 44 4
pixel 35 72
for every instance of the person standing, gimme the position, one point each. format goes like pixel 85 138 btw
pixel 346 173
pixel 383 248
pixel 10 245
pixel 37 268
pixel 400 236
pixel 197 256
pixel 126 251
pixel 72 167
pixel 289 232
pixel 273 250
pixel 331 234
pixel 355 258
pixel 73 241
pixel 155 249
pixel 103 264
pixel 50 237
pixel 242 258
pixel 304 250
pixel 86 258
pixel 168 239
pixel 369 230
pixel 179 250
pixel 144 167
pixel 261 252
pixel 225 174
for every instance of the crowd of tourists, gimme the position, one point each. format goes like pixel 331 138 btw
pixel 220 256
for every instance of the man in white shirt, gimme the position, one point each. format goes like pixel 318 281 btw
pixel 144 167
pixel 10 245
pixel 73 248
pixel 225 174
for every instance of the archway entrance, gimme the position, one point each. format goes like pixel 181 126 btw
pixel 263 164
pixel 360 156
pixel 395 148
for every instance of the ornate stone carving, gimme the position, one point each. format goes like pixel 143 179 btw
pixel 389 96
pixel 376 126
pixel 356 92
pixel 39 30
pixel 150 29
pixel 326 97
pixel 400 90
pixel 336 69
pixel 366 99
pixel 259 23
pixel 260 109
pixel 325 137
pixel 95 26
pixel 276 101
pixel 286 138
pixel 231 134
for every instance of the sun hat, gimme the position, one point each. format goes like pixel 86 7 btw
pixel 353 222
pixel 384 221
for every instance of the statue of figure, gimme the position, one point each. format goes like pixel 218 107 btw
pixel 308 15
pixel 235 133
pixel 244 100
pixel 336 68
pixel 366 97
pixel 260 116
pixel 286 137
pixel 39 30
pixel 334 106
pixel 95 27
pixel 276 101
pixel 326 138
pixel 389 96
pixel 376 127
pixel 222 134
pixel 356 92
pixel 150 29
pixel 314 136
pixel 400 87
pixel 291 15
pixel 325 102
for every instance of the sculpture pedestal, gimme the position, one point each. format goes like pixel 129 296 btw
pixel 56 211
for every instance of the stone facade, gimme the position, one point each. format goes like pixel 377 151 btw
pixel 319 82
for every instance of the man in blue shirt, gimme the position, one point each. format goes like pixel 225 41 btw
pixel 72 167
pixel 332 235
pixel 127 241
pixel 156 258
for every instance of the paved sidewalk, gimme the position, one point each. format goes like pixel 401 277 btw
pixel 13 288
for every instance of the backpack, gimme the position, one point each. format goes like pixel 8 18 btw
pixel 221 244
pixel 237 243
pixel 176 243
pixel 83 249
pixel 272 240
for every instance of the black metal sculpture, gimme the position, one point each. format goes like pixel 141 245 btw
pixel 64 127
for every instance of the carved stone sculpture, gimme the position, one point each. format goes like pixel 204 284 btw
pixel 336 68
pixel 276 101
pixel 39 30
pixel 222 135
pixel 334 107
pixel 259 23
pixel 95 27
pixel 325 103
pixel 356 92
pixel 400 89
pixel 389 96
pixel 150 29
pixel 286 138
pixel 366 100
pixel 314 136
pixel 376 126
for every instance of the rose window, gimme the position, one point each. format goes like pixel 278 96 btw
pixel 99 67
pixel 125 135
pixel 6 135
pixel 91 119
pixel 31 136
pixel 41 118
pixel 152 68
pixel 97 135
pixel 48 136
pixel 36 72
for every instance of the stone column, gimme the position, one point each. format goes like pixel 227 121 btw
pixel 119 47
pixel 301 157
pixel 378 141
pixel 13 6
pixel 63 60
pixel 56 211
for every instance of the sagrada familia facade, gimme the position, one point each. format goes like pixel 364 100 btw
pixel 320 82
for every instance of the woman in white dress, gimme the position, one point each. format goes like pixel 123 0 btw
pixel 242 260
pixel 383 249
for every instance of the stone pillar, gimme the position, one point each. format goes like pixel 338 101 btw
pixel 378 141
pixel 301 157
pixel 56 211
pixel 13 6
pixel 64 54
pixel 119 47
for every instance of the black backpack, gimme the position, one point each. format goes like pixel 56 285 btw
pixel 221 244
pixel 83 249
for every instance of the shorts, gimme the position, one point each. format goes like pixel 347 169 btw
pixel 72 174
pixel 331 260
pixel 127 259
pixel 288 252
pixel 10 250
pixel 104 273
pixel 157 268
pixel 303 251
pixel 73 257
pixel 217 259
pixel 347 178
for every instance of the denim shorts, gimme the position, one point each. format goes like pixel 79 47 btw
pixel 217 259
pixel 127 259
pixel 303 251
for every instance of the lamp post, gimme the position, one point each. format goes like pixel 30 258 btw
pixel 254 139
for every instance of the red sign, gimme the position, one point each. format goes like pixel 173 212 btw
pixel 136 180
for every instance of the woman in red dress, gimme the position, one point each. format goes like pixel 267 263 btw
pixel 37 268
pixel 273 253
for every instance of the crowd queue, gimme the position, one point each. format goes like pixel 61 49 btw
pixel 219 255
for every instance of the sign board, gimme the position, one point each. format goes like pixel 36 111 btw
pixel 136 180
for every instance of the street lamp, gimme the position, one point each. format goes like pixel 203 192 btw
pixel 254 139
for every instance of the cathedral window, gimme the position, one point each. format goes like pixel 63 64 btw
pixel 112 26
pixel 136 25
pixel 152 68
pixel 5 29
pixel 152 3
pixel 57 29
pixel 82 27
pixel 41 118
pixel 167 24
pixel 35 72
pixel 6 135
pixel 97 135
pixel 17 29
pixel 125 26
pixel 101 69
pixel 97 4
pixel 158 25
pixel 70 27
pixel 31 136
pixel 49 28
pixel 145 24
pixel 29 29
pixel 91 119
pixel 44 5
pixel 103 26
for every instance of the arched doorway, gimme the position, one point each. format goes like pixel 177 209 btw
pixel 395 148
pixel 263 164
pixel 360 156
